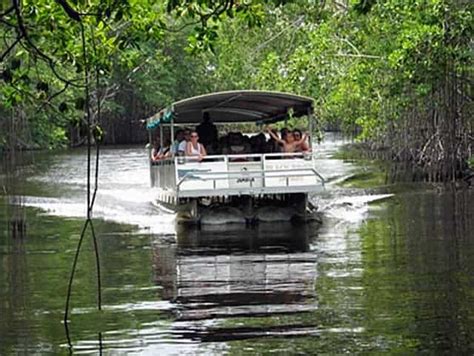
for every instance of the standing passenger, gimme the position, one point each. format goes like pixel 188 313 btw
pixel 207 131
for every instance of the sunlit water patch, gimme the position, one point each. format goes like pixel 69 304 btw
pixel 124 193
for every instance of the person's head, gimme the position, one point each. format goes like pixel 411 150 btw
pixel 297 134
pixel 166 142
pixel 179 135
pixel 260 139
pixel 235 138
pixel 194 137
pixel 290 138
pixel 206 117
pixel 187 134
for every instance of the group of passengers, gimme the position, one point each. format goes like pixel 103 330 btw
pixel 204 140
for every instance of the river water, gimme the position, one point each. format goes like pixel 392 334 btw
pixel 389 270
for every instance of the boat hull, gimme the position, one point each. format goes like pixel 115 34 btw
pixel 242 209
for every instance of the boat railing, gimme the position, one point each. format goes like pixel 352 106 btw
pixel 164 173
pixel 245 156
pixel 237 173
pixel 248 175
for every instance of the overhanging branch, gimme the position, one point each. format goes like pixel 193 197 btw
pixel 10 48
pixel 11 9
pixel 21 30
pixel 73 14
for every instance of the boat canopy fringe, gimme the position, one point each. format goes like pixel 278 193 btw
pixel 161 117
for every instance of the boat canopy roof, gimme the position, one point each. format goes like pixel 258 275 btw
pixel 234 106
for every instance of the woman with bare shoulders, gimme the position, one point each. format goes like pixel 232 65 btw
pixel 194 148
pixel 289 144
pixel 304 147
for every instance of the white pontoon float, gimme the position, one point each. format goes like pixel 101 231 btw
pixel 251 184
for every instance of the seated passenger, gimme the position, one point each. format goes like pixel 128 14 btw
pixel 213 148
pixel 178 137
pixel 289 144
pixel 163 152
pixel 240 144
pixel 224 144
pixel 155 150
pixel 272 146
pixel 183 144
pixel 236 144
pixel 303 147
pixel 248 146
pixel 258 143
pixel 194 148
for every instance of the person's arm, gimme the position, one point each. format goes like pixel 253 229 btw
pixel 188 151
pixel 203 151
pixel 155 154
pixel 305 146
pixel 182 146
pixel 275 137
pixel 302 140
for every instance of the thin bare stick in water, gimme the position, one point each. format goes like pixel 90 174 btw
pixel 90 198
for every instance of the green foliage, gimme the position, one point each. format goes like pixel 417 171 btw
pixel 366 63
pixel 471 162
pixel 134 46
pixel 383 71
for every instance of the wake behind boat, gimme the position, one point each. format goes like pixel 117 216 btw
pixel 251 179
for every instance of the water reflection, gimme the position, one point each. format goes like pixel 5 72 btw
pixel 228 238
pixel 220 273
pixel 392 276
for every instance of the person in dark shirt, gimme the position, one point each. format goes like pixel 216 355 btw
pixel 272 146
pixel 207 131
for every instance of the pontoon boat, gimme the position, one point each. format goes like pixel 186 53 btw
pixel 250 186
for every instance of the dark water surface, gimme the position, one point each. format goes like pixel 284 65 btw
pixel 395 275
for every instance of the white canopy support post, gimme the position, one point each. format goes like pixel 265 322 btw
pixel 161 135
pixel 310 128
pixel 172 130
pixel 150 150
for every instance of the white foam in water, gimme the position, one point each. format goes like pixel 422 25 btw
pixel 350 209
pixel 125 195
pixel 147 221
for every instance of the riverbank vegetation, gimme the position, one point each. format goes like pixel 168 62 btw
pixel 396 74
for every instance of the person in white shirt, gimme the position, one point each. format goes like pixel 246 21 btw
pixel 178 137
pixel 183 143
